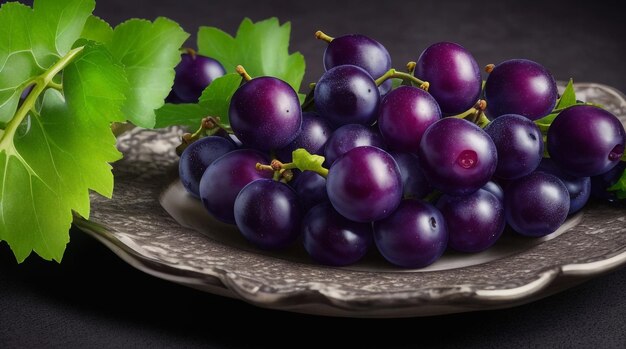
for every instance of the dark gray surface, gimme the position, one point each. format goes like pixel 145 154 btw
pixel 95 300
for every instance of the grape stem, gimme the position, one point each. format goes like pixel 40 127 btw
pixel 209 126
pixel 284 169
pixel 242 71
pixel 392 73
pixel 320 35
pixel 410 67
pixel 475 114
pixel 489 68
pixel 189 51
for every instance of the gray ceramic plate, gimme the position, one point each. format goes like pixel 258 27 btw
pixel 154 226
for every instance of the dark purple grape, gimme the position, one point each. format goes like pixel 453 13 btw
pixel 362 51
pixel 414 236
pixel 475 221
pixel 311 189
pixel 457 156
pixel 584 140
pixel 579 188
pixel 453 74
pixel 495 189
pixel 347 94
pixel 364 184
pixel 405 113
pixel 520 86
pixel 265 113
pixel 600 183
pixel 414 183
pixel 268 214
pixel 313 135
pixel 348 137
pixel 197 157
pixel 331 239
pixel 536 205
pixel 519 143
pixel 225 177
pixel 26 92
pixel 193 74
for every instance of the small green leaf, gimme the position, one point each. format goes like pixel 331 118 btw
pixel 214 101
pixel 305 161
pixel 568 98
pixel 97 30
pixel 619 187
pixel 262 48
pixel 149 52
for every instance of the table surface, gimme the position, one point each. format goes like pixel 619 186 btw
pixel 93 299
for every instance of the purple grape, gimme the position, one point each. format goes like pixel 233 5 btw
pixel 197 157
pixel 579 188
pixel 414 183
pixel 457 156
pixel 475 221
pixel 312 137
pixel 268 214
pixel 311 189
pixel 193 74
pixel 519 143
pixel 414 236
pixel 364 184
pixel 536 205
pixel 348 137
pixel 225 177
pixel 453 74
pixel 405 113
pixel 495 189
pixel 585 141
pixel 347 94
pixel 362 51
pixel 331 239
pixel 265 113
pixel 520 86
pixel 600 183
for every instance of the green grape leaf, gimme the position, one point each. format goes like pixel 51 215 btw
pixel 149 53
pixel 305 161
pixel 568 99
pixel 97 30
pixel 214 101
pixel 262 48
pixel 63 149
pixel 619 187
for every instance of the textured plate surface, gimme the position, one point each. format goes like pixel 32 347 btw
pixel 193 250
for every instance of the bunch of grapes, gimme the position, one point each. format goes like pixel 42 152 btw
pixel 443 160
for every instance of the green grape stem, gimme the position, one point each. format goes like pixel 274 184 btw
pixel 392 73
pixel 41 82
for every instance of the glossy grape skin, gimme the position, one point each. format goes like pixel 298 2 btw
pixel 267 213
pixel 453 74
pixel 495 189
pixel 405 113
pixel 265 113
pixel 536 205
pixel 579 188
pixel 348 137
pixel 519 143
pixel 414 183
pixel 475 221
pixel 313 135
pixel 414 236
pixel 585 141
pixel 520 86
pixel 311 189
pixel 197 157
pixel 193 74
pixel 457 156
pixel 347 94
pixel 600 183
pixel 362 51
pixel 331 239
pixel 364 184
pixel 225 177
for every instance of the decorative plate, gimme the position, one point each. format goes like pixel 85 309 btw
pixel 152 224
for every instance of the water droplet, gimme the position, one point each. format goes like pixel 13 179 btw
pixel 467 159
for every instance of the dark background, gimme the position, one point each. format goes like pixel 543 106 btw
pixel 93 299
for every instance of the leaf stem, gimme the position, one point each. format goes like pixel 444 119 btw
pixel 55 85
pixel 41 83
pixel 392 73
